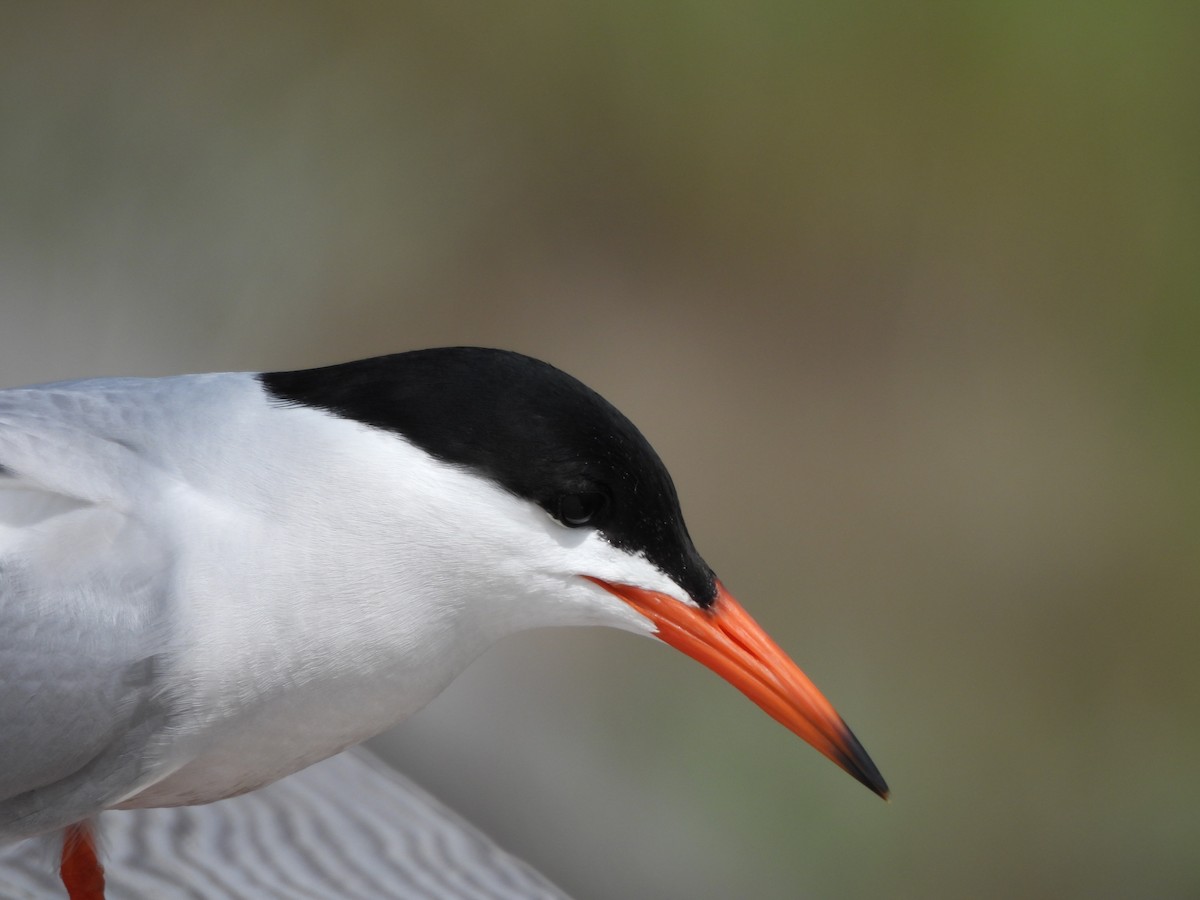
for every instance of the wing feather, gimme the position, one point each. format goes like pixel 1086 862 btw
pixel 82 585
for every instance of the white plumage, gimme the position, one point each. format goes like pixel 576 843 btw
pixel 258 585
pixel 210 582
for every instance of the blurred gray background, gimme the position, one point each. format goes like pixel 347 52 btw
pixel 905 296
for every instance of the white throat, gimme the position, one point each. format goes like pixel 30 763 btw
pixel 390 571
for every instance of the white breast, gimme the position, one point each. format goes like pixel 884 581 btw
pixel 308 581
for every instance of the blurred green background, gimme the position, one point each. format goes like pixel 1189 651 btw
pixel 906 295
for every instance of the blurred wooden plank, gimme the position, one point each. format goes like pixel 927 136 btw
pixel 349 827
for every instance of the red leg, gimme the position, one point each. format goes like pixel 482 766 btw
pixel 81 870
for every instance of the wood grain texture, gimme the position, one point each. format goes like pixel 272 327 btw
pixel 349 827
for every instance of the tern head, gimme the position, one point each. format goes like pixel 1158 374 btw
pixel 573 517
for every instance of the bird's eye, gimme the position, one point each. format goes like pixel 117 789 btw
pixel 575 510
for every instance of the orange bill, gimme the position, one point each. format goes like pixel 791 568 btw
pixel 725 639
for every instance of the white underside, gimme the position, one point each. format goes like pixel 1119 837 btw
pixel 245 588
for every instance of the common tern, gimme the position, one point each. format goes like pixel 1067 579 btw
pixel 208 582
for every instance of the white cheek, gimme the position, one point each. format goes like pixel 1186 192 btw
pixel 563 595
pixel 597 557
pixel 455 541
pixel 536 567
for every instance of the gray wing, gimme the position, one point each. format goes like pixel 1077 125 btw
pixel 82 583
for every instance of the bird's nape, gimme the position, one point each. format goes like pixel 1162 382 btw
pixel 724 638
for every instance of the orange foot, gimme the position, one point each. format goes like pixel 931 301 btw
pixel 81 870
